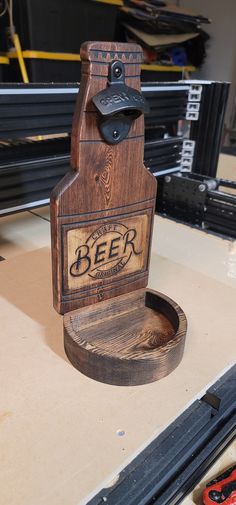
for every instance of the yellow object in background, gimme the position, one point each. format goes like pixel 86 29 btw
pixel 46 55
pixel 16 42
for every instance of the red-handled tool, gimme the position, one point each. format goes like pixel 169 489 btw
pixel 222 489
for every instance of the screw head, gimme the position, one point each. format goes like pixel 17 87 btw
pixel 117 72
pixel 167 178
pixel 201 187
pixel 120 433
pixel 115 134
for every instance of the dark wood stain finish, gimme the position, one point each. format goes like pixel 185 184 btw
pixel 104 180
pixel 129 340
pixel 101 224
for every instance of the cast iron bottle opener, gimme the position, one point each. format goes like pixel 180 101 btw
pixel 118 105
pixel 102 212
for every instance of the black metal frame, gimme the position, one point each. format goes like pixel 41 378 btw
pixel 207 131
pixel 200 201
pixel 169 468
pixel 28 172
pixel 41 109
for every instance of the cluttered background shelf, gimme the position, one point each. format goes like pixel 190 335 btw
pixel 171 37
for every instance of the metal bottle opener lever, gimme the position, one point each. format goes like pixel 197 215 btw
pixel 118 105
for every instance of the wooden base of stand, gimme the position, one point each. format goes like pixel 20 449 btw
pixel 128 340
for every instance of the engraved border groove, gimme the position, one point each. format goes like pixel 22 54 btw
pixel 64 229
pixel 152 200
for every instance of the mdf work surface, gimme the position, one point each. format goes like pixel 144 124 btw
pixel 59 430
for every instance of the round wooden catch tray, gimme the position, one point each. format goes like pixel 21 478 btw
pixel 128 340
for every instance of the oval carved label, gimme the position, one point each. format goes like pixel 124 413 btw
pixel 110 249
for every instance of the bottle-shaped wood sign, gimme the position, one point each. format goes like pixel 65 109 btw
pixel 102 214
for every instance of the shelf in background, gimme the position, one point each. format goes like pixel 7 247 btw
pixel 167 68
pixel 47 55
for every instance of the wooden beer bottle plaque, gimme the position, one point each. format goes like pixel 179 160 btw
pixel 102 214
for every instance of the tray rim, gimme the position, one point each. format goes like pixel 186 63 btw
pixel 153 354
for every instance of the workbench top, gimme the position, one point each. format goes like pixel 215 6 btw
pixel 59 430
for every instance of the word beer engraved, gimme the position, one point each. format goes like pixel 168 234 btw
pixel 102 211
pixel 115 330
pixel 94 257
pixel 110 249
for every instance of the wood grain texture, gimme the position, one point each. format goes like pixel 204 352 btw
pixel 101 221
pixel 133 339
pixel 106 185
